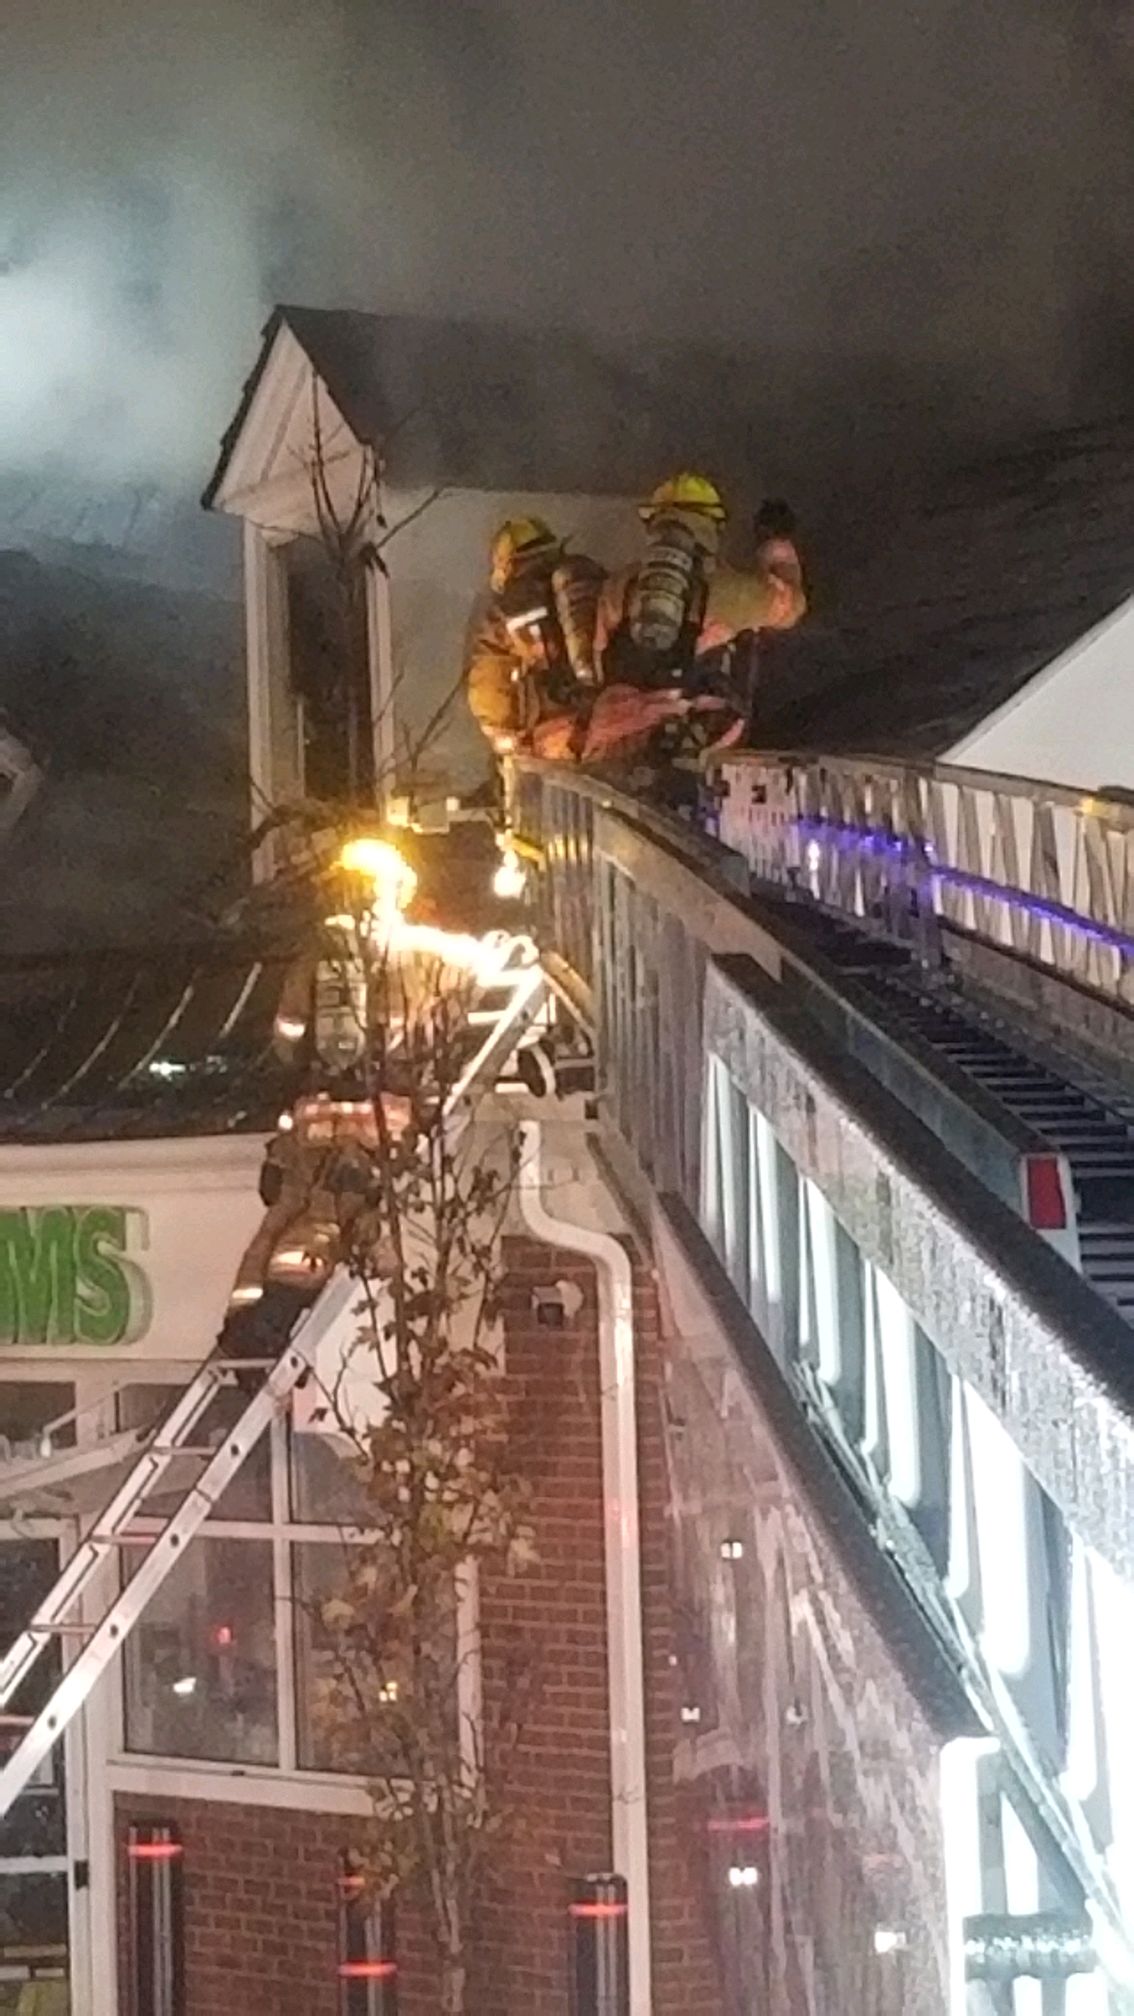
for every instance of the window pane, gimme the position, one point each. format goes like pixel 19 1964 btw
pixel 36 1823
pixel 33 1946
pixel 249 1496
pixel 328 1741
pixel 201 1662
pixel 324 1487
pixel 27 1407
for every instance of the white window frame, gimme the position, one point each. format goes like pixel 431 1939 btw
pixel 285 1783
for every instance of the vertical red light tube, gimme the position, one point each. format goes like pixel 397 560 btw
pixel 368 1966
pixel 599 1946
pixel 156 1880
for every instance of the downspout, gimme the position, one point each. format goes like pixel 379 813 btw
pixel 619 1428
pixel 380 649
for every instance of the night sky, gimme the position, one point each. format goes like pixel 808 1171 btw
pixel 923 207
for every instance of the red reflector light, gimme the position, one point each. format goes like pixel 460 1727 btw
pixel 745 1823
pixel 154 1851
pixel 368 1970
pixel 1047 1211
pixel 599 1910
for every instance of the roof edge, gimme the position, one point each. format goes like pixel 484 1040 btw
pixel 235 428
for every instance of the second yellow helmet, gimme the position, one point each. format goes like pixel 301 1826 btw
pixel 686 492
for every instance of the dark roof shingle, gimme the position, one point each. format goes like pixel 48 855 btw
pixel 958 605
pixel 486 406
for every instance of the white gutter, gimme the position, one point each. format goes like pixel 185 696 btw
pixel 629 1836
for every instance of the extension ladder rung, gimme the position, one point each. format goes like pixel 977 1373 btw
pixel 150 1467
pixel 168 1548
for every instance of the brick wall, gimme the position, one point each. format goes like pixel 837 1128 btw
pixel 261 1904
pixel 261 1883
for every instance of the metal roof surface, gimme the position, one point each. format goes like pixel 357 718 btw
pixel 117 1045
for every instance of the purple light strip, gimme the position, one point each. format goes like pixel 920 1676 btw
pixel 862 840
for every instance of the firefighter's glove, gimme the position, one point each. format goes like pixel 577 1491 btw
pixel 774 520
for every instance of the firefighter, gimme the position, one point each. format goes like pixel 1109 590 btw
pixel 732 663
pixel 666 626
pixel 530 660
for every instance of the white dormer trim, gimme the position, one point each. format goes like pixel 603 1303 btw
pixel 267 477
pixel 267 484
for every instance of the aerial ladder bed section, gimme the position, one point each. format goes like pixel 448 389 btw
pixel 60 1617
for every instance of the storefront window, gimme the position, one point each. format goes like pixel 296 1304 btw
pixel 231 1661
pixel 201 1662
pixel 324 1483
pixel 344 1728
pixel 249 1494
pixel 29 1409
pixel 34 1967
pixel 36 1824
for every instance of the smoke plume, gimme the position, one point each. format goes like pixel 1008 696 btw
pixel 897 210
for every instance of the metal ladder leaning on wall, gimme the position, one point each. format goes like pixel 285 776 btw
pixel 57 1618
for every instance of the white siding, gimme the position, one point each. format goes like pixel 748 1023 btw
pixel 1074 722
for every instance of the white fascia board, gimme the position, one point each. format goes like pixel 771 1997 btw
pixel 237 1785
pixel 1067 661
pixel 201 1162
pixel 268 461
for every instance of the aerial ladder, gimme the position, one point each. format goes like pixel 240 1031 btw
pixel 512 1008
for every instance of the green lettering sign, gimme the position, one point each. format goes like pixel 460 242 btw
pixel 67 1275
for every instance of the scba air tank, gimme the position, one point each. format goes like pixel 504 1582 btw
pixel 341 1007
pixel 670 585
pixel 575 587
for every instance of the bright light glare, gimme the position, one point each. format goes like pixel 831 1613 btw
pixel 378 862
pixel 186 1686
pixel 743 1876
pixel 484 959
pixel 509 880
pixel 886 1940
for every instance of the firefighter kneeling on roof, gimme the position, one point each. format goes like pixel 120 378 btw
pixel 676 633
pixel 530 663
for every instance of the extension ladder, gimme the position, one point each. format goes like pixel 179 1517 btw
pixel 59 1616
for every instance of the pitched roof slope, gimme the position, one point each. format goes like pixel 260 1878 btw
pixel 486 406
pixel 956 606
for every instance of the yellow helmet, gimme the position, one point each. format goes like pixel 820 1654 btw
pixel 518 541
pixel 686 492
